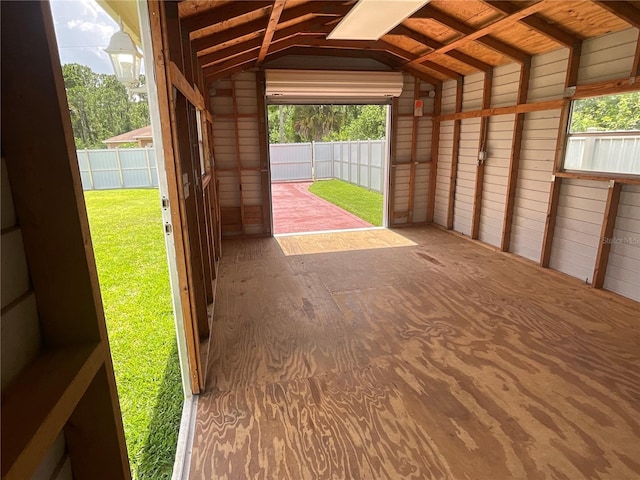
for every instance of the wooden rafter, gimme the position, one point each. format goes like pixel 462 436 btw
pixel 537 23
pixel 315 26
pixel 258 25
pixel 248 59
pixel 202 43
pixel 624 10
pixel 393 62
pixel 272 24
pixel 221 14
pixel 464 29
pixel 382 45
pixel 434 45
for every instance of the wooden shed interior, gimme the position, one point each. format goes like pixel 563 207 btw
pixel 400 353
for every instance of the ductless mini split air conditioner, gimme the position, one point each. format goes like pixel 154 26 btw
pixel 331 86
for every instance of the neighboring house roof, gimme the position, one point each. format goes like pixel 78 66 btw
pixel 143 133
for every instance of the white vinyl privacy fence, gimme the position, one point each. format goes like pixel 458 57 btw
pixel 615 152
pixel 118 168
pixel 357 162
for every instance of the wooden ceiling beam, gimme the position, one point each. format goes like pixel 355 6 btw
pixel 472 34
pixel 202 43
pixel 289 14
pixel 392 62
pixel 381 45
pixel 321 8
pixel 434 44
pixel 310 27
pixel 232 51
pixel 464 29
pixel 624 10
pixel 421 75
pixel 248 59
pixel 537 23
pixel 272 24
pixel 221 14
pixel 409 56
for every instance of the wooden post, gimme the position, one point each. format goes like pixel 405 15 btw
pixel 556 182
pixel 234 100
pixel 392 163
pixel 514 159
pixel 161 53
pixel 263 136
pixel 635 69
pixel 414 149
pixel 435 146
pixel 606 234
pixel 454 156
pixel 482 147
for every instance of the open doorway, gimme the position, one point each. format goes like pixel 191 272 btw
pixel 328 166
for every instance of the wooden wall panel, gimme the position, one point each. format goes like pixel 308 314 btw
pixel 465 181
pixel 578 225
pixel 444 171
pixel 504 90
pixel 536 167
pixel 236 145
pixel 548 74
pixel 607 58
pixel 410 194
pixel 623 271
pixel 401 198
pixel 21 337
pixel 496 172
pixel 449 97
pixel 472 91
pixel 420 193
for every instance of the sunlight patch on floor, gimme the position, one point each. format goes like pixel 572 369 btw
pixel 343 241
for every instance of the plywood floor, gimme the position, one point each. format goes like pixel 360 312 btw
pixel 434 358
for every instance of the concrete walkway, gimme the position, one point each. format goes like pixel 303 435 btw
pixel 296 210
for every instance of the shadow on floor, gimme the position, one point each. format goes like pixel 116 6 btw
pixel 159 451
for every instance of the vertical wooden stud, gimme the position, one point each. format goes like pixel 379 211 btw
pixel 161 53
pixel 514 159
pixel 263 136
pixel 435 145
pixel 556 182
pixel 635 69
pixel 392 163
pixel 234 99
pixel 454 157
pixel 606 234
pixel 482 147
pixel 414 150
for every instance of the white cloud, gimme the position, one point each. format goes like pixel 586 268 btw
pixel 105 31
pixel 83 30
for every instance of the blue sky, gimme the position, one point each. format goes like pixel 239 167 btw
pixel 83 31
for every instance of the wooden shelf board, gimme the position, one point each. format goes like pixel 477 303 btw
pixel 36 406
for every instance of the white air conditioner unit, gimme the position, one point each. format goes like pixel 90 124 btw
pixel 331 86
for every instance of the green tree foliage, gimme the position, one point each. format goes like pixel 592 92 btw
pixel 100 106
pixel 369 124
pixel 323 123
pixel 612 112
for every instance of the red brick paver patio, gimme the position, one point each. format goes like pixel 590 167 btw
pixel 297 210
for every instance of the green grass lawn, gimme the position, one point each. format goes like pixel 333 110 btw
pixel 128 240
pixel 361 202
